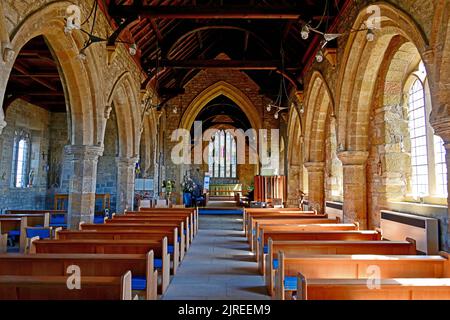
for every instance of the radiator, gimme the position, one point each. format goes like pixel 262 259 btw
pixel 397 226
pixel 334 210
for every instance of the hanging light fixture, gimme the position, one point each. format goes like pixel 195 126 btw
pixel 327 37
pixel 73 22
pixel 277 105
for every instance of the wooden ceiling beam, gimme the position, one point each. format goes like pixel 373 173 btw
pixel 221 64
pixel 203 12
pixel 24 71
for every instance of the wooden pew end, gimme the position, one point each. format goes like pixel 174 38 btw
pixel 32 246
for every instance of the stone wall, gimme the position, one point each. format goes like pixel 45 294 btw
pixel 107 167
pixel 48 134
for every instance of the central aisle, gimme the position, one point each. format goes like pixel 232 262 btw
pixel 218 266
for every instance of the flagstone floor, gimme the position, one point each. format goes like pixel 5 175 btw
pixel 218 265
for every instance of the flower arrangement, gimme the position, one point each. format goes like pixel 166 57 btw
pixel 188 185
pixel 168 185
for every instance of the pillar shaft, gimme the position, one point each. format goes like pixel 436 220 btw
pixel 442 128
pixel 125 183
pixel 316 185
pixel 82 183
pixel 355 186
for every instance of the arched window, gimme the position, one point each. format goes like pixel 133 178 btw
pixel 21 161
pixel 222 155
pixel 418 135
pixel 428 167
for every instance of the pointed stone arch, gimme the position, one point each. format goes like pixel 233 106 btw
pixel 360 67
pixel 213 91
pixel 318 104
pixel 49 22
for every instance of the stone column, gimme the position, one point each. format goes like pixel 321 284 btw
pixel 82 174
pixel 294 185
pixel 442 129
pixel 2 124
pixel 355 186
pixel 316 185
pixel 125 183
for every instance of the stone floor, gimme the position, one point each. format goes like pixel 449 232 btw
pixel 218 265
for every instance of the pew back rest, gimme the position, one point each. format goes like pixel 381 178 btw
pixel 55 288
pixel 343 247
pixel 100 246
pixel 364 266
pixel 295 235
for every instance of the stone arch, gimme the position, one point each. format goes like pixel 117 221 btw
pixel 319 102
pixel 49 22
pixel 213 91
pixel 123 97
pixel 294 158
pixel 360 68
pixel 440 58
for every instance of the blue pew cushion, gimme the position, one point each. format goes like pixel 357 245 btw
pixel 41 233
pixel 138 283
pixel 57 220
pixel 290 283
pixel 99 219
pixel 157 263
pixel 14 233
pixel 275 263
pixel 266 249
pixel 170 249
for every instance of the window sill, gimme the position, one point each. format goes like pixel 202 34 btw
pixel 424 209
pixel 427 200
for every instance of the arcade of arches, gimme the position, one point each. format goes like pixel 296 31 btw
pixel 368 129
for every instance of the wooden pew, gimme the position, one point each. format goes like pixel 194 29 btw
pixel 157 229
pixel 8 224
pixel 355 267
pixel 298 226
pixel 3 240
pixel 159 247
pixel 252 218
pixel 298 248
pixel 294 235
pixel 389 289
pixel 163 210
pixel 55 288
pixel 137 226
pixel 274 224
pixel 171 234
pixel 144 277
pixel 159 218
pixel 54 218
pixel 191 213
pixel 250 211
pixel 254 234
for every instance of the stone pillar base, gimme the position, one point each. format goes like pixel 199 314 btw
pixel 316 184
pixel 355 186
pixel 82 183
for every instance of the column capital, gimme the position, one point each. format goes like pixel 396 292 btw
pixel 83 152
pixel 314 166
pixel 441 128
pixel 2 125
pixel 353 157
pixel 126 161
